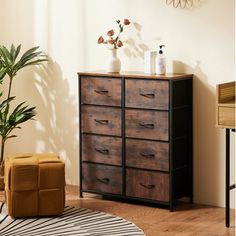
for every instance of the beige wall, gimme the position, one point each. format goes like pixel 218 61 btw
pixel 199 40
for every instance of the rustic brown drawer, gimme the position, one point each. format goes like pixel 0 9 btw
pixel 226 116
pixel 101 91
pixel 147 184
pixel 101 120
pixel 147 94
pixel 100 149
pixel 101 178
pixel 147 124
pixel 147 154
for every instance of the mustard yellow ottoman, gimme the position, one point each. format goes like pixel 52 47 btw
pixel 34 185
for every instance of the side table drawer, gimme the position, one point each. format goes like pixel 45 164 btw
pixel 101 91
pixel 226 116
pixel 147 124
pixel 147 94
pixel 101 178
pixel 100 149
pixel 147 184
pixel 101 120
pixel 147 154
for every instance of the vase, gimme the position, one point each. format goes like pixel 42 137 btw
pixel 113 64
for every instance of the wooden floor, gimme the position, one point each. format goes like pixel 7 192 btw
pixel 188 219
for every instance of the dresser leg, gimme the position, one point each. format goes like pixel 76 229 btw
pixel 81 194
pixel 171 207
pixel 191 199
pixel 227 178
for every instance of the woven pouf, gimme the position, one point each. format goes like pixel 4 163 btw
pixel 34 185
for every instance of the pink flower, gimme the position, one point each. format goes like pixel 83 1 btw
pixel 126 22
pixel 111 41
pixel 119 43
pixel 114 39
pixel 110 32
pixel 100 40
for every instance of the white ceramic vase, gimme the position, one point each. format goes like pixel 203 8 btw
pixel 113 64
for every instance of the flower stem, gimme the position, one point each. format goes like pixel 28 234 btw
pixel 9 90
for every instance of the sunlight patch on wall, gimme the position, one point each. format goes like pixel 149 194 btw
pixel 41 24
pixel 58 31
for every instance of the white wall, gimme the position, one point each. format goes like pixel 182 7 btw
pixel 199 40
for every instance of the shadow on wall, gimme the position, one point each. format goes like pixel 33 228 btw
pixel 135 45
pixel 207 159
pixel 57 123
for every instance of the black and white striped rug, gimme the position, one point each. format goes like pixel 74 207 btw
pixel 73 221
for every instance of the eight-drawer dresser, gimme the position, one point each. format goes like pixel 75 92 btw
pixel 136 136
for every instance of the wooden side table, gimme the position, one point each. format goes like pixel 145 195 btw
pixel 225 118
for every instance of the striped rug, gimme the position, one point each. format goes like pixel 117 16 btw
pixel 73 221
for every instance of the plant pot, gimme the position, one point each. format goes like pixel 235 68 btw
pixel 2 184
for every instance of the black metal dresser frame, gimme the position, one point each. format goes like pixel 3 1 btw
pixel 228 186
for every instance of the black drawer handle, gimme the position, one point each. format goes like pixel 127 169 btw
pixel 103 180
pixel 147 95
pixel 102 151
pixel 102 91
pixel 147 125
pixel 148 186
pixel 101 122
pixel 147 155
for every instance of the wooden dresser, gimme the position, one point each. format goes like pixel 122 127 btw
pixel 136 136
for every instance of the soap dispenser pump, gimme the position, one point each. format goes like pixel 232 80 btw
pixel 160 61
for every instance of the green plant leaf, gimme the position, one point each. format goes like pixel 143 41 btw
pixel 28 60
pixel 12 136
pixel 6 63
pixel 36 62
pixel 17 51
pixel 4 103
pixel 12 53
pixel 28 53
pixel 2 74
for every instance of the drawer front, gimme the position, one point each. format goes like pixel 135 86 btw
pixel 147 184
pixel 101 91
pixel 102 149
pixel 147 124
pixel 101 178
pixel 147 154
pixel 101 120
pixel 227 116
pixel 147 94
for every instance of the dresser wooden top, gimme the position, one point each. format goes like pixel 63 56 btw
pixel 136 74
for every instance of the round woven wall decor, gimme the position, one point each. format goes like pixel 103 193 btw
pixel 180 3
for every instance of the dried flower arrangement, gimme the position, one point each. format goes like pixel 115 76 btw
pixel 113 40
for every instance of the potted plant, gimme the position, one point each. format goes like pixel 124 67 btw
pixel 11 119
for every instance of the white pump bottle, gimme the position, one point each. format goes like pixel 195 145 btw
pixel 160 62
